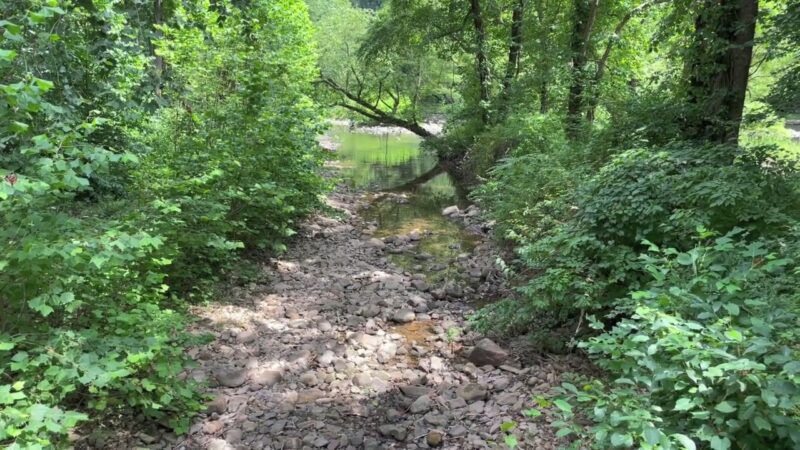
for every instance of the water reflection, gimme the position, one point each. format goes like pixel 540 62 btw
pixel 380 162
pixel 396 163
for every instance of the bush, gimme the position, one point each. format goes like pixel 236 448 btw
pixel 704 355
pixel 234 163
pixel 584 254
pixel 99 212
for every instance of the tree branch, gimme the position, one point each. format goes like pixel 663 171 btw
pixel 365 108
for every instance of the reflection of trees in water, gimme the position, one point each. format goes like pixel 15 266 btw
pixel 385 176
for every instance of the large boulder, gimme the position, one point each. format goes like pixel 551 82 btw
pixel 486 352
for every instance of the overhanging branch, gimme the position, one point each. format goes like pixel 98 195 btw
pixel 359 105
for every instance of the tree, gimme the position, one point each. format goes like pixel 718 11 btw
pixel 718 63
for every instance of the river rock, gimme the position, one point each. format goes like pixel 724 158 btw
pixel 326 358
pixel 266 377
pixel 404 316
pixel 394 431
pixel 219 444
pixel 362 379
pixel 218 405
pixel 376 243
pixel 231 377
pixel 421 405
pixel 471 392
pixel 486 352
pixel 414 391
pixel 458 431
pixel 450 210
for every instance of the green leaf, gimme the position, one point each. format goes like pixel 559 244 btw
pixel 683 404
pixel 621 440
pixel 651 435
pixel 507 426
pixel 7 55
pixel 734 335
pixel 733 309
pixel 718 443
pixel 511 441
pixel 725 407
pixel 684 440
pixel 563 405
pixel 761 423
pixel 532 413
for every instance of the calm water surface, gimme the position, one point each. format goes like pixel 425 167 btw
pixel 388 162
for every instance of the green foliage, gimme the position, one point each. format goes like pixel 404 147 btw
pixel 100 209
pixel 703 357
pixel 583 253
pixel 235 170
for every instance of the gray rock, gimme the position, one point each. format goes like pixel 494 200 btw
pixel 458 431
pixel 486 352
pixel 277 427
pixel 501 383
pixel 414 392
pixel 146 438
pixel 218 405
pixel 421 405
pixel 376 243
pixel 213 427
pixel 362 379
pixel 233 436
pixel 450 210
pixel 231 377
pixel 309 379
pixel 367 340
pixel 219 444
pixel 471 392
pixel 371 310
pixel 326 358
pixel 266 377
pixel 404 316
pixel 420 285
pixel 394 431
pixel 246 336
pixel 436 420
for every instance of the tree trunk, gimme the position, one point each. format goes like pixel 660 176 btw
pixel 585 15
pixel 481 60
pixel 720 68
pixel 158 63
pixel 544 101
pixel 515 46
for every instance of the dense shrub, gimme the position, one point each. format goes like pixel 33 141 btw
pixel 583 253
pixel 705 355
pixel 233 162
pixel 97 208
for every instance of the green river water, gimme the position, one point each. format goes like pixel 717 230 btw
pixel 385 162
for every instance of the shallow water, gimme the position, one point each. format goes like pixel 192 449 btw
pixel 391 163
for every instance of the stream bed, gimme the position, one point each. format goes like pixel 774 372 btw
pixel 387 166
